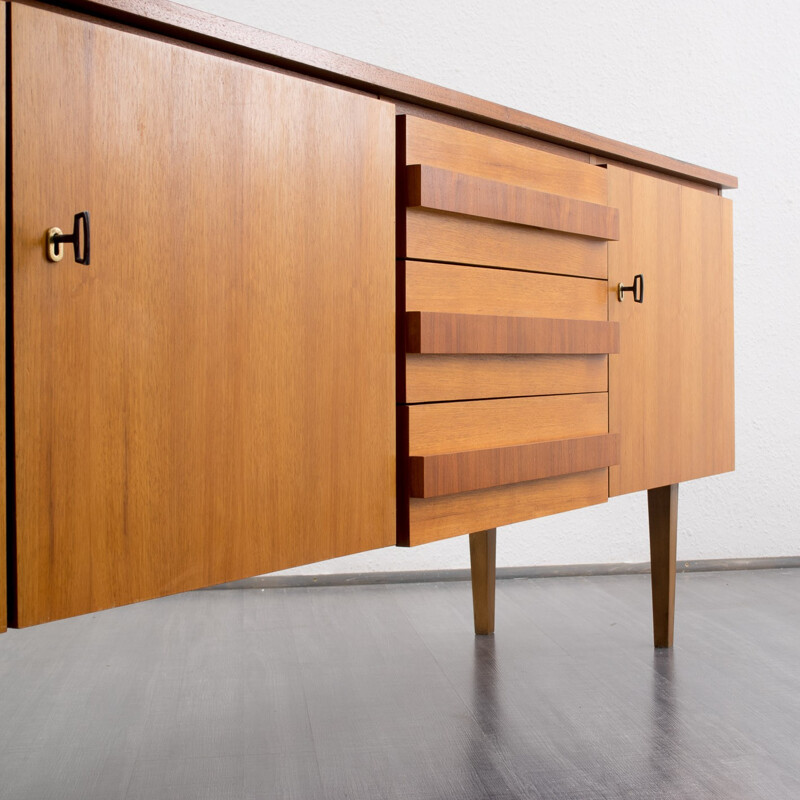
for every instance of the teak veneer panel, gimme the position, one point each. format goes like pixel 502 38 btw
pixel 195 406
pixel 671 385
pixel 410 109
pixel 433 332
pixel 439 428
pixel 453 473
pixel 453 515
pixel 458 150
pixel 435 236
pixel 470 290
pixel 457 193
pixel 225 35
pixel 464 377
pixel 702 187
pixel 474 290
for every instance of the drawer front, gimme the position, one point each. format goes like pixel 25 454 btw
pixel 470 290
pixel 481 464
pixel 508 333
pixel 459 150
pixel 474 199
pixel 453 515
pixel 438 428
pixel 468 240
pixel 431 378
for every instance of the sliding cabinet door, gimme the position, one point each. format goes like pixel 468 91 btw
pixel 212 396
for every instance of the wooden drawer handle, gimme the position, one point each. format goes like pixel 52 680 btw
pixel 439 332
pixel 457 193
pixel 452 473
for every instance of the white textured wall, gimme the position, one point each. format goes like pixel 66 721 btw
pixel 714 83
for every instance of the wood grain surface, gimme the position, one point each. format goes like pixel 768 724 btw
pixel 411 109
pixel 440 428
pixel 662 508
pixel 505 292
pixel 453 288
pixel 452 148
pixel 465 377
pixel 436 518
pixel 671 385
pixel 458 193
pixel 436 428
pixel 199 27
pixel 482 559
pixel 452 473
pixel 433 332
pixel 702 187
pixel 195 407
pixel 435 236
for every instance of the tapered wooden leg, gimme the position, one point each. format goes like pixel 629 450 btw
pixel 662 507
pixel 482 555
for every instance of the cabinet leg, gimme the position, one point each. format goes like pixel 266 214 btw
pixel 482 555
pixel 662 507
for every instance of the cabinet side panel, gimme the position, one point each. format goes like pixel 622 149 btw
pixel 3 420
pixel 213 397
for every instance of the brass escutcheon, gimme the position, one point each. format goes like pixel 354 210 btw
pixel 51 245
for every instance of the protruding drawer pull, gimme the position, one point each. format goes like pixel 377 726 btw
pixel 439 189
pixel 466 471
pixel 445 332
pixel 637 289
pixel 56 237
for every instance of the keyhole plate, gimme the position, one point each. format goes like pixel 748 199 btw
pixel 51 245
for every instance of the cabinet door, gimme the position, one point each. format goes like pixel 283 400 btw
pixel 213 397
pixel 671 385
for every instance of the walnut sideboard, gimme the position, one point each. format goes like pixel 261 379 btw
pixel 266 305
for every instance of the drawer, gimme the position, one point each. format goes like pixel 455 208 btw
pixel 459 150
pixel 472 290
pixel 426 521
pixel 470 465
pixel 432 378
pixel 471 332
pixel 473 199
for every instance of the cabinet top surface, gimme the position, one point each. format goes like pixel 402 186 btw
pixel 198 27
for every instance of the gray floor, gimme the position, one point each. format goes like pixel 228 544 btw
pixel 383 692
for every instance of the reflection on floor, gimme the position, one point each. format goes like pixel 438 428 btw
pixel 384 692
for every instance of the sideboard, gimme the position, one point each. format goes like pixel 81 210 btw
pixel 267 305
